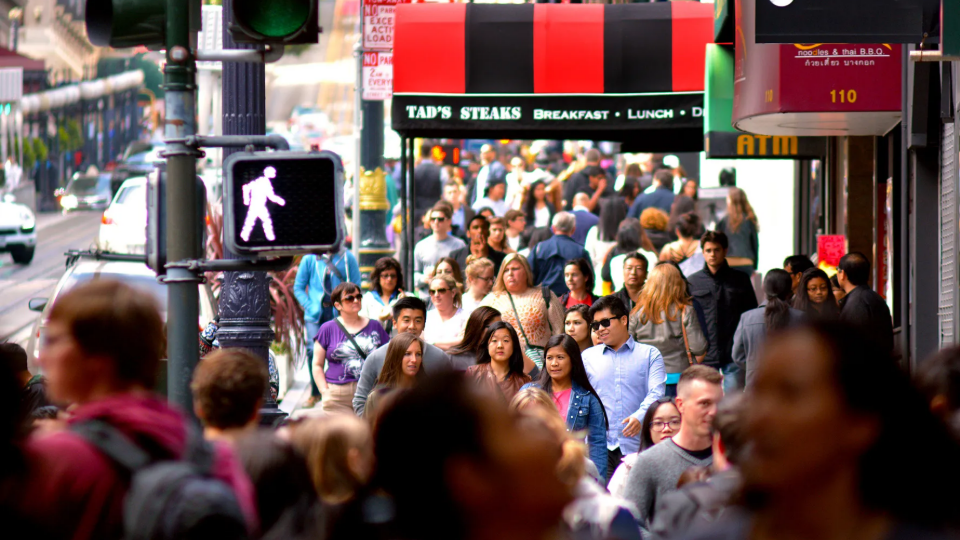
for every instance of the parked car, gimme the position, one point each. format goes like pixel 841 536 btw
pixel 139 160
pixel 87 192
pixel 18 230
pixel 123 228
pixel 132 271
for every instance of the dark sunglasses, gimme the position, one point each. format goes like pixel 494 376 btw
pixel 438 291
pixel 595 325
pixel 438 218
pixel 350 298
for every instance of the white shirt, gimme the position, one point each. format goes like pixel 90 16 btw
pixel 541 217
pixel 499 207
pixel 439 331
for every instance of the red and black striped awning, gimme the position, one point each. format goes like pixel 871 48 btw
pixel 620 72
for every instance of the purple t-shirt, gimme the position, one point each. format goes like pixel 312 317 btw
pixel 343 361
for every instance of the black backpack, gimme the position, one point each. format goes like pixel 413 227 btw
pixel 169 499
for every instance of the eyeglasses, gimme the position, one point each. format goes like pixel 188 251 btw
pixel 487 279
pixel 595 325
pixel 350 298
pixel 438 218
pixel 388 276
pixel 434 292
pixel 674 423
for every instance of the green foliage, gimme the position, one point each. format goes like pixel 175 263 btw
pixel 40 149
pixel 29 156
pixel 71 137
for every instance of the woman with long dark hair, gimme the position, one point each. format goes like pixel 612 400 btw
pixel 832 454
pixel 742 229
pixel 402 366
pixel 386 280
pixel 538 211
pixel 564 379
pixel 576 324
pixel 815 296
pixel 499 365
pixel 464 354
pixel 661 421
pixel 755 325
pixel 578 277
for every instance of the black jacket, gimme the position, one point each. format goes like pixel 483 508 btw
pixel 724 297
pixel 624 297
pixel 866 310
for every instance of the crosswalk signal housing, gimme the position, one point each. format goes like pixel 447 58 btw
pixel 283 203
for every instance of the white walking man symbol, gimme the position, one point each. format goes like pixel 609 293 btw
pixel 255 195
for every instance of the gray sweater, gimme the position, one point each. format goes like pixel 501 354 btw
pixel 434 360
pixel 656 472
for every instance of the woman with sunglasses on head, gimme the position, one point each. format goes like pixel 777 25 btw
pixel 661 421
pixel 445 321
pixel 386 281
pixel 564 379
pixel 499 366
pixel 665 318
pixel 343 344
pixel 815 296
pixel 480 274
pixel 464 354
pixel 576 324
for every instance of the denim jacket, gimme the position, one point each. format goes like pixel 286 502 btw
pixel 586 414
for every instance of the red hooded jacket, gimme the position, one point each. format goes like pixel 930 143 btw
pixel 77 492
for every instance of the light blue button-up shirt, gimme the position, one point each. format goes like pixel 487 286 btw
pixel 628 381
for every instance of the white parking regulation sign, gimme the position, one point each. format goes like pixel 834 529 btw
pixel 377 75
pixel 378 18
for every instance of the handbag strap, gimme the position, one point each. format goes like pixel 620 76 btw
pixel 520 324
pixel 362 354
pixel 686 342
pixel 545 292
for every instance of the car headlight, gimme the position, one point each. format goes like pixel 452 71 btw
pixel 68 202
pixel 27 221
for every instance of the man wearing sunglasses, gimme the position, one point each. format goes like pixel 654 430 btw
pixel 628 376
pixel 436 246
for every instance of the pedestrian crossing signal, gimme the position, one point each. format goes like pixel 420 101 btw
pixel 283 203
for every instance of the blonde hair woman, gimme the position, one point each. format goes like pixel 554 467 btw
pixel 339 453
pixel 664 318
pixel 534 312
pixel 742 230
pixel 445 321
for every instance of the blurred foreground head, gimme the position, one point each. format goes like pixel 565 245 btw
pixel 103 337
pixel 457 464
pixel 831 413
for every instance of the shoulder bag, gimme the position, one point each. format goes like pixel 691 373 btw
pixel 686 342
pixel 533 352
pixel 353 342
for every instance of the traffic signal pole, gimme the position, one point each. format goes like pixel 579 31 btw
pixel 245 297
pixel 183 228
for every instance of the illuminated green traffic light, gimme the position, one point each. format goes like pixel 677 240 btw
pixel 281 21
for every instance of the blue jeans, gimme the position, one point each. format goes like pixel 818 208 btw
pixel 312 329
pixel 731 379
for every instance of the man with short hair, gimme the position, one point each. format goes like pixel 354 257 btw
pixel 862 306
pixel 549 257
pixel 34 393
pixel 657 469
pixel 516 225
pixel 580 181
pixel 427 175
pixel 228 387
pixel 661 197
pixel 700 504
pixel 462 214
pixel 635 269
pixel 478 235
pixel 490 170
pixel 409 316
pixel 436 246
pixel 628 376
pixel 104 341
pixel 724 294
pixel 494 197
pixel 796 265
pixel 598 184
pixel 586 219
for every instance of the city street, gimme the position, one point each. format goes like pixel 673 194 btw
pixel 18 284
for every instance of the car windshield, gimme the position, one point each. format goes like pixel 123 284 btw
pixel 144 283
pixel 150 156
pixel 88 184
pixel 136 194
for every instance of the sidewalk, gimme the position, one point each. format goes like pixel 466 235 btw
pixel 298 394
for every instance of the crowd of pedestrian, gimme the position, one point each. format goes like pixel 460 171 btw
pixel 506 395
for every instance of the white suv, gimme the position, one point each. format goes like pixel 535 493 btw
pixel 18 230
